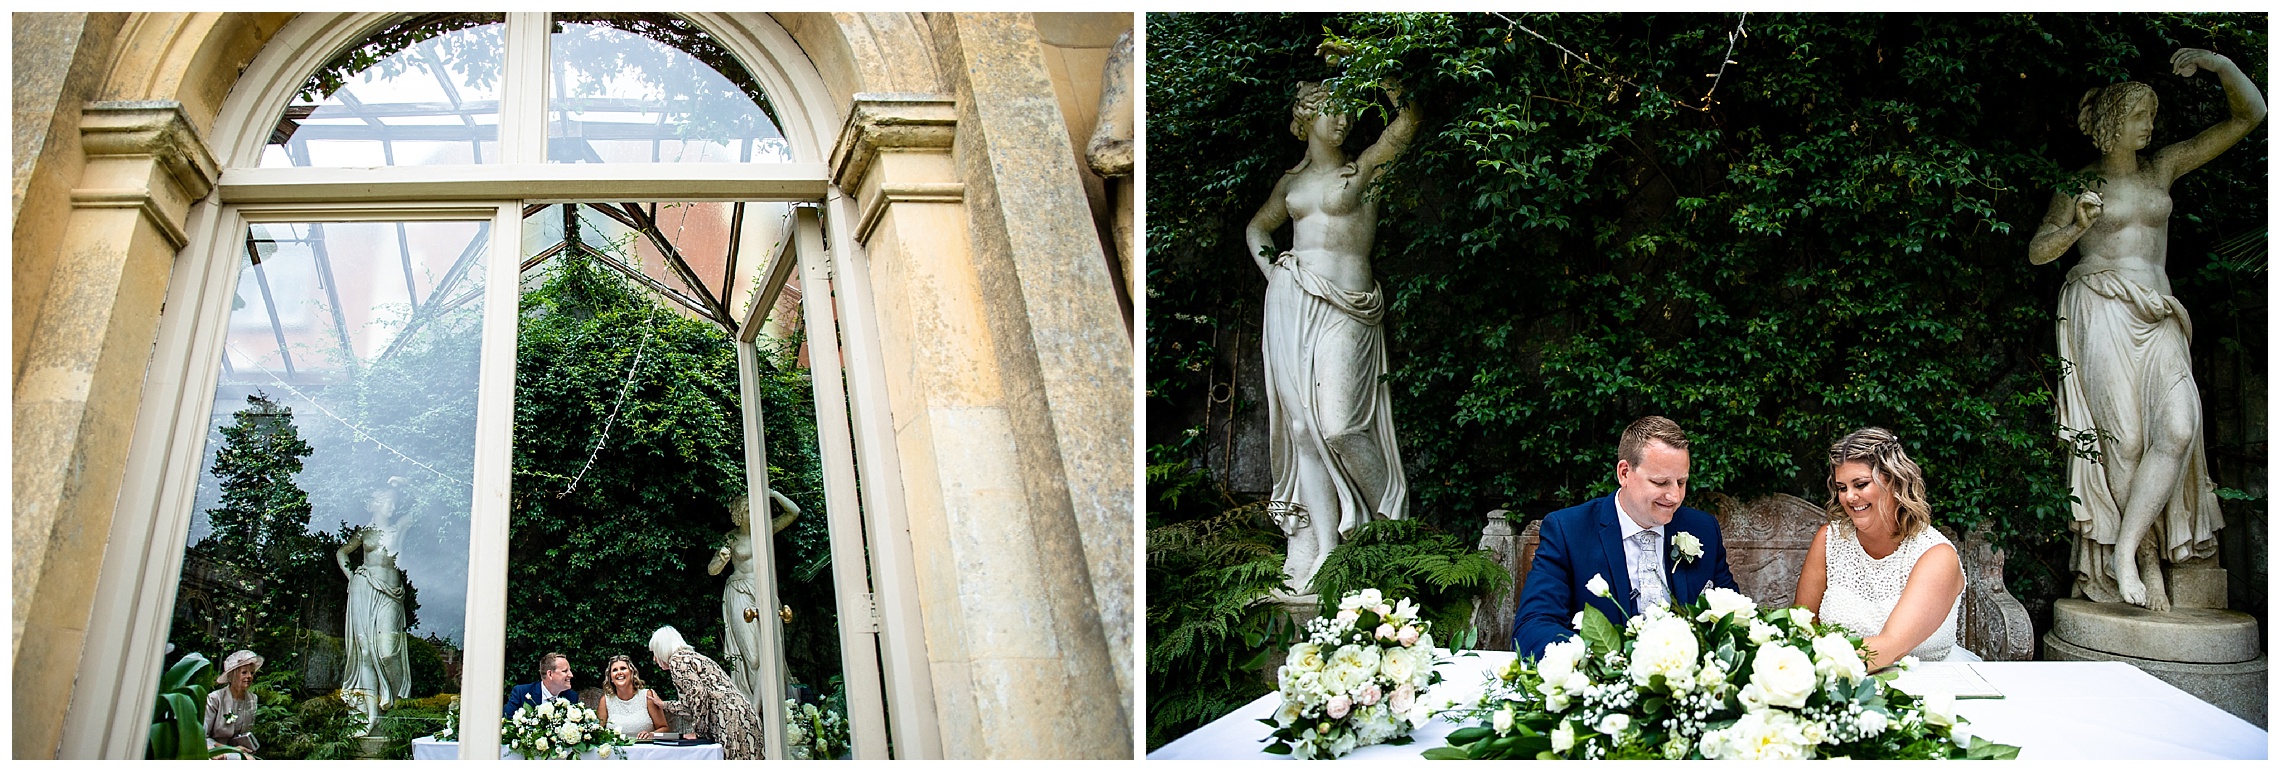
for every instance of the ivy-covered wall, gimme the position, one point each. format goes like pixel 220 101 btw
pixel 1773 229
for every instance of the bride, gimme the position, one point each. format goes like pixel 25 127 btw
pixel 1879 567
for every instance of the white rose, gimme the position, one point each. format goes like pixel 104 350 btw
pixel 542 745
pixel 1687 545
pixel 1910 662
pixel 1501 721
pixel 1752 697
pixel 1939 709
pixel 1563 737
pixel 1724 602
pixel 1560 660
pixel 1834 656
pixel 1666 647
pixel 568 733
pixel 1289 713
pixel 1784 674
pixel 1576 682
pixel 1801 617
pixel 1761 633
pixel 1597 585
pixel 1347 616
pixel 1613 724
pixel 1307 656
pixel 1871 722
pixel 1384 609
pixel 1398 666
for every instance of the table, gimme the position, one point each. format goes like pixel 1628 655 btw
pixel 2051 710
pixel 429 749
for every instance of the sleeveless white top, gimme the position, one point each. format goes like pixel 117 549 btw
pixel 629 717
pixel 1863 590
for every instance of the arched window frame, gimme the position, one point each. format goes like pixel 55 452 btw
pixel 872 562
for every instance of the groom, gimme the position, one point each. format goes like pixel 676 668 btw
pixel 553 684
pixel 1649 549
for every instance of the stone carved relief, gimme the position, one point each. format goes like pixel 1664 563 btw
pixel 1766 543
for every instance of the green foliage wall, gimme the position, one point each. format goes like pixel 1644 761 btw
pixel 1834 238
pixel 594 569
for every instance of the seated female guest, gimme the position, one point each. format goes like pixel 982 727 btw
pixel 229 710
pixel 1879 567
pixel 711 702
pixel 627 703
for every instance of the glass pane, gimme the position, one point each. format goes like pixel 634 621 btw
pixel 652 88
pixel 423 91
pixel 331 524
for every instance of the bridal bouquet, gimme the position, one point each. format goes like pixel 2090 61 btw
pixel 1356 680
pixel 560 729
pixel 1718 678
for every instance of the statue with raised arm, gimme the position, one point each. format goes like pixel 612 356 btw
pixel 1330 419
pixel 2147 498
pixel 740 606
pixel 378 661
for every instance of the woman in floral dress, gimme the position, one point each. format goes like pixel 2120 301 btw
pixel 708 698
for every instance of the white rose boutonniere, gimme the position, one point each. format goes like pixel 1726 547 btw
pixel 1689 548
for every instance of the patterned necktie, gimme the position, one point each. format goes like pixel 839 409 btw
pixel 1648 578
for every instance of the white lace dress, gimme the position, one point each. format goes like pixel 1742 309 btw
pixel 1863 590
pixel 629 717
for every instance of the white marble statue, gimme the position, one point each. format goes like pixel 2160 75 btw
pixel 2148 498
pixel 740 604
pixel 1330 420
pixel 378 666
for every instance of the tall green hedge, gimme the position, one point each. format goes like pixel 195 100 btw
pixel 1585 232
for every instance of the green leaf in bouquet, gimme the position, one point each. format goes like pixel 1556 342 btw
pixel 1279 748
pixel 1602 635
pixel 1654 705
pixel 1470 735
pixel 1447 754
pixel 1981 749
pixel 1402 740
pixel 1270 722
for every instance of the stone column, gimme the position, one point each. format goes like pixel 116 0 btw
pixel 1014 639
pixel 81 383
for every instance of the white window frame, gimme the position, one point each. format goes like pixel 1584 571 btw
pixel 109 714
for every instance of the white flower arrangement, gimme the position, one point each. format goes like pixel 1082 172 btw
pixel 1358 679
pixel 813 733
pixel 1718 678
pixel 560 729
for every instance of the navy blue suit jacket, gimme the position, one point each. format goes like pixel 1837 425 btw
pixel 531 694
pixel 1583 540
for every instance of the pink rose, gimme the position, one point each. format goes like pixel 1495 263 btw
pixel 1384 609
pixel 1401 699
pixel 1369 694
pixel 1385 632
pixel 1339 705
pixel 1409 635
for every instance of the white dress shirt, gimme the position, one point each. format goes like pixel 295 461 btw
pixel 1633 558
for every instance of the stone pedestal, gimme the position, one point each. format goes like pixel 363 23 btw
pixel 1301 609
pixel 371 746
pixel 2212 654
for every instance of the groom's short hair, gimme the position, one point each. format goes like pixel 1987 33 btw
pixel 1633 446
pixel 546 661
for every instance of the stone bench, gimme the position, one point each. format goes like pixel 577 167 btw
pixel 1767 540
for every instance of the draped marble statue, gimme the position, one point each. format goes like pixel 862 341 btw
pixel 2147 499
pixel 1330 419
pixel 740 605
pixel 377 667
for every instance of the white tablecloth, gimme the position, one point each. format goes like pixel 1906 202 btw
pixel 2051 710
pixel 429 749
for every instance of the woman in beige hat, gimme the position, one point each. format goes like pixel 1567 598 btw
pixel 229 710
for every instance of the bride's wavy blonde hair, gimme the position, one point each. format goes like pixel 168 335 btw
pixel 1880 450
pixel 638 684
